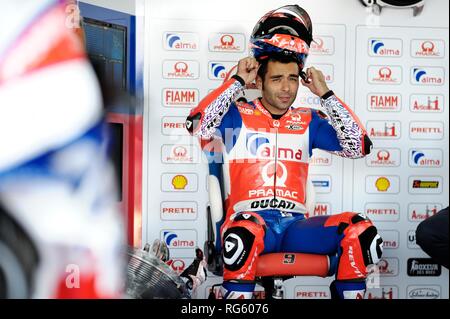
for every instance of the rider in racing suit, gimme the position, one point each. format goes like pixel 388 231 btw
pixel 266 149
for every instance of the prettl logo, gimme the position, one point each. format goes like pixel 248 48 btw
pixel 385 47
pixel 384 74
pixel 427 75
pixel 423 267
pixel 312 292
pixel 174 125
pixel 426 103
pixel 227 42
pixel 180 97
pixel 384 102
pixel 384 129
pixel 418 212
pixel 179 210
pixel 181 41
pixel 219 70
pixel 322 46
pixel 180 69
pixel 383 211
pixel 384 157
pixel 426 130
pixel 424 292
pixel 425 157
pixel 177 239
pixel 427 48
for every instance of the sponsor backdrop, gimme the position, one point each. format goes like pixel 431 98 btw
pixel 392 70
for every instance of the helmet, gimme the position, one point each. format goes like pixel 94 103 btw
pixel 285 31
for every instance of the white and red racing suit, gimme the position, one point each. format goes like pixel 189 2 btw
pixel 265 170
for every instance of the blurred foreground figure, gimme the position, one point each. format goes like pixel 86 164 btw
pixel 60 233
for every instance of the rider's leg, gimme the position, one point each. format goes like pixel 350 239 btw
pixel 243 242
pixel 350 235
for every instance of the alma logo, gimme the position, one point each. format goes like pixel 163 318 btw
pixel 385 47
pixel 328 71
pixel 425 157
pixel 180 238
pixel 391 238
pixel 219 70
pixel 427 75
pixel 320 158
pixel 181 41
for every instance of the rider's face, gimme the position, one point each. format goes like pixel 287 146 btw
pixel 279 87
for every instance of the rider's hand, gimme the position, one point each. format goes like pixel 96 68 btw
pixel 247 69
pixel 317 84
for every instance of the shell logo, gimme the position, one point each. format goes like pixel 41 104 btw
pixel 382 184
pixel 179 182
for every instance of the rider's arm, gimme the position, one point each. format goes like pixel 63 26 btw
pixel 207 116
pixel 348 130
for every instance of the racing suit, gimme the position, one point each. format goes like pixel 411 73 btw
pixel 265 169
pixel 61 233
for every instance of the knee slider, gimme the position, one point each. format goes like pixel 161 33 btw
pixel 237 245
pixel 371 245
pixel 370 241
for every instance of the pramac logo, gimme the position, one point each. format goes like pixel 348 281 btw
pixel 427 48
pixel 180 69
pixel 227 42
pixel 274 173
pixel 384 74
pixel 322 46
